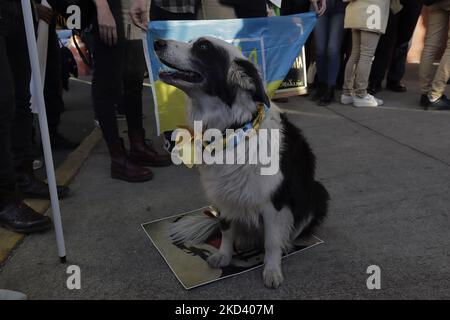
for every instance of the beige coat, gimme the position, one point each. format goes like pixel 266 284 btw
pixel 359 15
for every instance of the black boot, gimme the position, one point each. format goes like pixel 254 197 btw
pixel 327 98
pixel 18 217
pixel 31 187
pixel 143 153
pixel 125 168
pixel 320 91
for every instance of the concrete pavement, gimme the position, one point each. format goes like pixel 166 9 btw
pixel 387 170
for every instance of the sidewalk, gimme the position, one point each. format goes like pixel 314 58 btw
pixel 387 170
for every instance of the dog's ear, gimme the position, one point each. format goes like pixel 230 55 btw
pixel 245 75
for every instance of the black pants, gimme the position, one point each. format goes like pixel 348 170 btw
pixel 289 7
pixel 157 13
pixel 294 6
pixel 119 72
pixel 53 91
pixel 15 114
pixel 392 50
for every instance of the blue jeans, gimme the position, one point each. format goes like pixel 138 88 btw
pixel 329 32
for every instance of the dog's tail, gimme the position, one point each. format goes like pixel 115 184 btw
pixel 193 228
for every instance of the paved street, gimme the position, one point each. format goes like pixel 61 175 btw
pixel 387 170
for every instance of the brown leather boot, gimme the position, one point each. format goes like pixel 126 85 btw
pixel 124 168
pixel 145 154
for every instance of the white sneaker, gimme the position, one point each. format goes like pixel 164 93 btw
pixel 367 101
pixel 346 99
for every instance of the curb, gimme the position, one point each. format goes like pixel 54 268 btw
pixel 65 173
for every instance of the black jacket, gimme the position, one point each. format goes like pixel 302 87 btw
pixel 248 9
pixel 430 2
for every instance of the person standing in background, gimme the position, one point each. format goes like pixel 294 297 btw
pixel 392 50
pixel 113 49
pixel 328 33
pixel 53 89
pixel 433 83
pixel 16 156
pixel 164 10
pixel 367 26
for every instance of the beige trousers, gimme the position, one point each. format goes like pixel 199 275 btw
pixel 357 70
pixel 213 9
pixel 434 82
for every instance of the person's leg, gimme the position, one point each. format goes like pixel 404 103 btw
pixel 133 77
pixel 22 126
pixel 7 180
pixel 336 35
pixel 53 92
pixel 321 34
pixel 349 74
pixel 442 75
pixel 141 152
pixel 54 103
pixel 106 92
pixel 436 28
pixel 321 44
pixel 369 42
pixel 106 86
pixel 15 215
pixel 383 53
pixel 407 24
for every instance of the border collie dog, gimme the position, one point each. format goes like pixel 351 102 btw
pixel 225 91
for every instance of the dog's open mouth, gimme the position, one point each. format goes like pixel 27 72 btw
pixel 171 72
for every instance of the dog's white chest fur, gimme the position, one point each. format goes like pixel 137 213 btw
pixel 239 190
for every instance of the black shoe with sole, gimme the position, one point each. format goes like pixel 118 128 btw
pixel 31 187
pixel 396 87
pixel 22 219
pixel 327 98
pixel 319 92
pixel 443 103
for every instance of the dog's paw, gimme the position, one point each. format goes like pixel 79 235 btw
pixel 273 278
pixel 219 260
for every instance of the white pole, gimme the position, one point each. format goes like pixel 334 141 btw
pixel 38 93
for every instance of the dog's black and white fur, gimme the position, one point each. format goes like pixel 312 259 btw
pixel 224 89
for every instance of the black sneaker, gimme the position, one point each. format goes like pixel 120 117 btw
pixel 443 103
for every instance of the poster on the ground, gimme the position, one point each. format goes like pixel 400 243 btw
pixel 188 260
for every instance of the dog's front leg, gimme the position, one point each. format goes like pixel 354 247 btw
pixel 277 228
pixel 222 258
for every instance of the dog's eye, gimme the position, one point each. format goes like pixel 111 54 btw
pixel 203 45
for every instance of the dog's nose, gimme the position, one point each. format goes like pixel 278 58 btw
pixel 159 44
